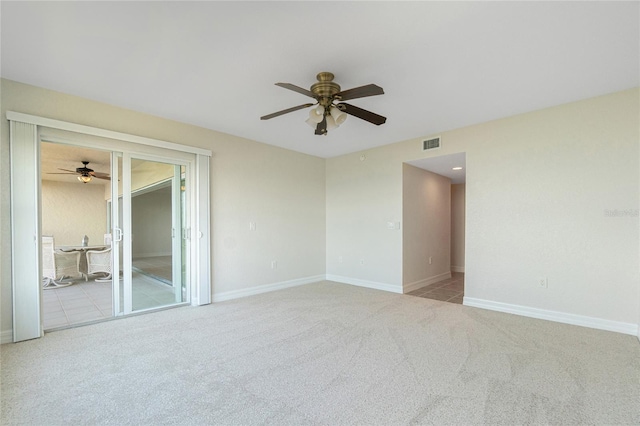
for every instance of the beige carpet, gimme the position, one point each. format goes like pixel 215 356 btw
pixel 326 354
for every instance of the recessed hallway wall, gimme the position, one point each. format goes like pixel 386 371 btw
pixel 426 235
pixel 457 227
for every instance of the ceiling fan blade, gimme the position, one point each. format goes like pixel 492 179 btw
pixel 362 113
pixel 321 128
pixel 100 175
pixel 297 89
pixel 285 111
pixel 70 171
pixel 359 92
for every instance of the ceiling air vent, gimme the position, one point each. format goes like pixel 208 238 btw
pixel 433 143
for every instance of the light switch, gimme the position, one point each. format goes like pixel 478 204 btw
pixel 252 226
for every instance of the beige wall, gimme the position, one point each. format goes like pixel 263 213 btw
pixel 457 227
pixel 541 189
pixel 282 191
pixel 72 210
pixel 426 214
pixel 364 193
pixel 538 189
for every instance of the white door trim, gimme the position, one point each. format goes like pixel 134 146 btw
pixel 95 131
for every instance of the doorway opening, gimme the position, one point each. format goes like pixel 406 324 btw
pixel 77 226
pixel 74 221
pixel 434 215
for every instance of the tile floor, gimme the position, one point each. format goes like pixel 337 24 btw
pixel 91 301
pixel 450 290
pixel 77 303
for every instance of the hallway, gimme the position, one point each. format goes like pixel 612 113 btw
pixel 450 290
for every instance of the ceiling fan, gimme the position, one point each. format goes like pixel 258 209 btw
pixel 85 173
pixel 328 114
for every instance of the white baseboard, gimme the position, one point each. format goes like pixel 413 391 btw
pixel 364 283
pixel 573 319
pixel 427 281
pixel 6 336
pixel 457 269
pixel 235 294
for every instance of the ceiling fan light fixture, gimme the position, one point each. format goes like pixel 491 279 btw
pixel 338 116
pixel 316 114
pixel 84 179
pixel 310 121
pixel 331 123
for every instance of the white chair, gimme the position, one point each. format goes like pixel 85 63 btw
pixel 99 262
pixel 58 265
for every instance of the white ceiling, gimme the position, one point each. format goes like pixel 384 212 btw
pixel 444 165
pixel 443 65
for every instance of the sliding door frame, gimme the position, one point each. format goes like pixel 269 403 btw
pixel 26 133
pixel 128 193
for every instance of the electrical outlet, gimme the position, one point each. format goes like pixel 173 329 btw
pixel 252 226
pixel 274 264
pixel 543 283
pixel 430 260
pixel 362 261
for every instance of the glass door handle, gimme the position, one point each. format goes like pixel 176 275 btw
pixel 117 234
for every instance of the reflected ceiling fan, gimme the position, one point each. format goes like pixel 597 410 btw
pixel 330 111
pixel 84 173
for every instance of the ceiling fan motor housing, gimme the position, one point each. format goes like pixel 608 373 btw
pixel 84 170
pixel 325 88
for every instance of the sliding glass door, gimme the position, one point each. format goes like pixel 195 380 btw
pixel 157 222
pixel 152 219
pixel 130 257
